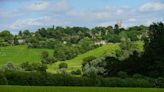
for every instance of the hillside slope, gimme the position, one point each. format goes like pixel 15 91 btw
pixel 20 54
pixel 75 63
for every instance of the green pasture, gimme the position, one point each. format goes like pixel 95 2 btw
pixel 74 89
pixel 20 54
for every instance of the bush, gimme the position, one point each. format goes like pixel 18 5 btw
pixel 88 59
pixel 47 79
pixel 127 82
pixel 122 74
pixel 77 72
pixel 137 76
pixel 3 80
pixel 159 82
pixel 63 65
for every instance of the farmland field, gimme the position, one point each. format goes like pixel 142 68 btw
pixel 20 54
pixel 75 89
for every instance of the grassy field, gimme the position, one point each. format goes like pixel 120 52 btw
pixel 19 54
pixel 75 89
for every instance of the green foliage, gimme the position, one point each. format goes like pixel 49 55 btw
pixel 46 59
pixel 77 72
pixel 10 67
pixel 34 67
pixel 126 82
pixel 63 65
pixel 122 74
pixel 47 79
pixel 87 60
pixel 26 66
pixel 159 82
pixel 154 54
pixel 137 76
pixel 5 38
pixel 65 53
pixel 94 68
pixel 127 49
pixel 76 63
pixel 3 80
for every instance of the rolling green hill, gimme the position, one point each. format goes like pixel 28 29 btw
pixel 75 63
pixel 19 54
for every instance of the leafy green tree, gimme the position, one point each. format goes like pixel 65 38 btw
pixel 127 48
pixel 10 67
pixel 88 59
pixel 94 68
pixel 45 59
pixel 6 36
pixel 27 67
pixel 154 48
pixel 65 53
pixel 151 62
pixel 16 40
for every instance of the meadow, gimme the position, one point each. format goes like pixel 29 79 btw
pixel 74 89
pixel 20 54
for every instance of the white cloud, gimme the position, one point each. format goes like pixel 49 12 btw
pixel 60 6
pixel 38 6
pixel 63 5
pixel 104 13
pixel 24 23
pixel 132 20
pixel 119 12
pixel 9 13
pixel 152 6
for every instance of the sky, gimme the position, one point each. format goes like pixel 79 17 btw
pixel 16 15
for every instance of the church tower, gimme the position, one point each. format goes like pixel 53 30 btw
pixel 119 23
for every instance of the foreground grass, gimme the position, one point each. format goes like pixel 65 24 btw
pixel 75 89
pixel 20 54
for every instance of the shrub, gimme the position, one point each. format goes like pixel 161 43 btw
pixel 122 74
pixel 159 82
pixel 3 80
pixel 137 76
pixel 88 59
pixel 63 65
pixel 47 79
pixel 77 72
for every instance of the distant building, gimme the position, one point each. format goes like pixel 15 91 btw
pixel 102 42
pixel 21 40
pixel 119 23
